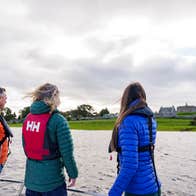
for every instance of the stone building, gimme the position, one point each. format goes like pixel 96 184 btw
pixel 186 108
pixel 167 112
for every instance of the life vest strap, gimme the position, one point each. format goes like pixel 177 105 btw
pixel 8 132
pixel 149 148
pixel 146 148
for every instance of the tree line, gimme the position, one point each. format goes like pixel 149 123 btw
pixel 83 111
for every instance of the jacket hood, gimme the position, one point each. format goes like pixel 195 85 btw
pixel 144 111
pixel 39 107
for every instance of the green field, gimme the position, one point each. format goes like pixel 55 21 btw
pixel 92 124
pixel 164 124
pixel 186 113
pixel 172 124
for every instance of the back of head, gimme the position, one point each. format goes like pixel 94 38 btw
pixel 3 98
pixel 132 92
pixel 2 91
pixel 48 93
pixel 133 97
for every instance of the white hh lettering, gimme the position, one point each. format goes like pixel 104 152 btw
pixel 33 126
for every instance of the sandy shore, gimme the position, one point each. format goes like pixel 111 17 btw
pixel 175 162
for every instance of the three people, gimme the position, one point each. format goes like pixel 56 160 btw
pixel 48 146
pixel 133 138
pixel 47 143
pixel 5 132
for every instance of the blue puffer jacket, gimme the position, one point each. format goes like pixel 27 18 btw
pixel 136 173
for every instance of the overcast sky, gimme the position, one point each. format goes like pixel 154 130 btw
pixel 92 49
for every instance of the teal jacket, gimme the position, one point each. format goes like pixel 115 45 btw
pixel 46 175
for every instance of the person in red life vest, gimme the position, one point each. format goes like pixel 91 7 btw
pixel 48 145
pixel 133 139
pixel 5 132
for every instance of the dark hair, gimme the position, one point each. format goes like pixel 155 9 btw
pixel 2 90
pixel 132 92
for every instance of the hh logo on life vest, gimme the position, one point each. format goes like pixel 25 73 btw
pixel 33 126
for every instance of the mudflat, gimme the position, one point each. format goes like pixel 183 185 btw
pixel 175 157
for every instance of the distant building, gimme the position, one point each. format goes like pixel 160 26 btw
pixel 186 108
pixel 167 112
pixel 108 116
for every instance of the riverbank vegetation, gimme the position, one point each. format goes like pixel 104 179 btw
pixel 164 124
pixel 84 117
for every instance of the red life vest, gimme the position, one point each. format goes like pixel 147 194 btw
pixel 34 136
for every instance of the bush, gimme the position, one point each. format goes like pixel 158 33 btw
pixel 193 122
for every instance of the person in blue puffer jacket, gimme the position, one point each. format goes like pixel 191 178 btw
pixel 133 138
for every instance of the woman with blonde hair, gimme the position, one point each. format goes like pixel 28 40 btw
pixel 133 138
pixel 48 145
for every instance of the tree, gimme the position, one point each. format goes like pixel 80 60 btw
pixel 70 115
pixel 193 122
pixel 85 110
pixel 23 113
pixel 103 112
pixel 8 115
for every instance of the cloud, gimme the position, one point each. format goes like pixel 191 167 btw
pixel 93 49
pixel 83 14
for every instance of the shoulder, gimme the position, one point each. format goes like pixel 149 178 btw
pixel 132 119
pixel 57 116
pixel 132 123
pixel 137 119
pixel 128 124
pixel 58 119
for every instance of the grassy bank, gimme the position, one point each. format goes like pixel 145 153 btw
pixel 172 124
pixel 186 113
pixel 164 124
pixel 92 124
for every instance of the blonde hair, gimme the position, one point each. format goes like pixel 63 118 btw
pixel 48 93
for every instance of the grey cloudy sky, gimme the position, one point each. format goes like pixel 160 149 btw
pixel 92 49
